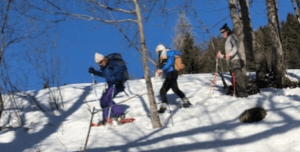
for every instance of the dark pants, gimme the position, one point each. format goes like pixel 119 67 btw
pixel 106 101
pixel 238 78
pixel 170 82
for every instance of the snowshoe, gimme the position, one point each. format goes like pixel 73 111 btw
pixel 126 120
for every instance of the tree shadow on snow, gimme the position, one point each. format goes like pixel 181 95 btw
pixel 218 129
pixel 32 139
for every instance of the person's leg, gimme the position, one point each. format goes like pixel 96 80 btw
pixel 241 90
pixel 163 94
pixel 177 91
pixel 239 78
pixel 107 100
pixel 164 89
pixel 174 86
pixel 104 104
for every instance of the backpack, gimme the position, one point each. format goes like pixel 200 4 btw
pixel 117 57
pixel 178 65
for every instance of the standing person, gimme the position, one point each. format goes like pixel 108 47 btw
pixel 114 70
pixel 166 66
pixel 236 60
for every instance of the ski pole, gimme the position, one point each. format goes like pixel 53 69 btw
pixel 94 84
pixel 215 77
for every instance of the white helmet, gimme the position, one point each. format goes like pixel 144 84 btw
pixel 159 48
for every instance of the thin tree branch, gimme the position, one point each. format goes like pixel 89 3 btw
pixel 133 45
pixel 111 9
pixel 91 18
pixel 2 30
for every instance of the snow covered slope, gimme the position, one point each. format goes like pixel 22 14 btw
pixel 210 125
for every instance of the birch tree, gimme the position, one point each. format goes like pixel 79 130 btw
pixel 238 30
pixel 118 14
pixel 278 59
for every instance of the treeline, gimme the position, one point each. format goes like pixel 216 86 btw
pixel 199 58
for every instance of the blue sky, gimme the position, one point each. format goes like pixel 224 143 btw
pixel 79 40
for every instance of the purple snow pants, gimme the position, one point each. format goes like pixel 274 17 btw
pixel 106 101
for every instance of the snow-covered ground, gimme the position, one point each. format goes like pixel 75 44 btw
pixel 211 124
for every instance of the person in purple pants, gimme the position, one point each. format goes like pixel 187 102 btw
pixel 107 101
pixel 114 70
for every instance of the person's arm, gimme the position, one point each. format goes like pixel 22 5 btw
pixel 169 63
pixel 98 73
pixel 95 72
pixel 234 46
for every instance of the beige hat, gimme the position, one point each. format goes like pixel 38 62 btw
pixel 159 48
pixel 98 57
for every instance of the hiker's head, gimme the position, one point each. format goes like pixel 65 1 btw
pixel 161 51
pixel 100 59
pixel 160 48
pixel 225 30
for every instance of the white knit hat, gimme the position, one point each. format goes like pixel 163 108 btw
pixel 98 57
pixel 159 48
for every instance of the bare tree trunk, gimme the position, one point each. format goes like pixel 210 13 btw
pixel 247 28
pixel 154 114
pixel 237 25
pixel 251 46
pixel 278 61
pixel 1 104
pixel 296 10
pixel 238 30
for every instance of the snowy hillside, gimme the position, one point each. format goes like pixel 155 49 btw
pixel 210 125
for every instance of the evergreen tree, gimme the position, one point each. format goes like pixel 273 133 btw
pixel 184 42
pixel 291 41
pixel 190 55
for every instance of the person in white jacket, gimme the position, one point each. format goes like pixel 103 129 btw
pixel 236 60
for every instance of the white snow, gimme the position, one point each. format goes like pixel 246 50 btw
pixel 210 125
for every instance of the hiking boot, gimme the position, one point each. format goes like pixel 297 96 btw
pixel 103 122
pixel 120 117
pixel 186 103
pixel 163 108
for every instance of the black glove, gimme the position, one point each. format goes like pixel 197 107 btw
pixel 92 70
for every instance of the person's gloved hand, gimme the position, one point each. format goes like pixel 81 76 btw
pixel 219 55
pixel 159 72
pixel 227 56
pixel 91 70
